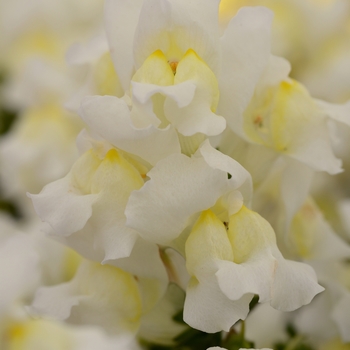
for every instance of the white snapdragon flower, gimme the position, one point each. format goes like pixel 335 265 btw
pixel 114 299
pixel 283 136
pixel 170 57
pixel 92 198
pixel 94 290
pixel 94 192
pixel 85 210
pixel 283 117
pixel 174 54
pixel 222 240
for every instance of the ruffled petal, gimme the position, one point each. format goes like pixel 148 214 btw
pixel 202 313
pixel 240 178
pixel 193 184
pixel 63 206
pixel 190 183
pixel 110 117
pixel 182 94
pixel 295 284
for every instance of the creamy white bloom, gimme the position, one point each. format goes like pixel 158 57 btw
pixel 283 116
pixel 94 192
pixel 85 211
pixel 173 54
pixel 94 291
pixel 283 136
pixel 216 258
pixel 170 56
pixel 247 253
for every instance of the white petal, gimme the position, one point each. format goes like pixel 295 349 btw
pixel 179 187
pixel 144 261
pixel 254 277
pixel 97 295
pixel 195 118
pixel 242 63
pixel 252 239
pixel 295 284
pixel 55 302
pixel 121 18
pixel 340 113
pixel 110 117
pixel 182 93
pixel 185 25
pixel 277 70
pixel 314 148
pixel 64 207
pixel 202 313
pixel 240 177
pixel 151 33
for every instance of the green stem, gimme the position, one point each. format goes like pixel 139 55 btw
pixel 242 332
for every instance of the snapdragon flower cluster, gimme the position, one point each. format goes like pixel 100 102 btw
pixel 180 174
